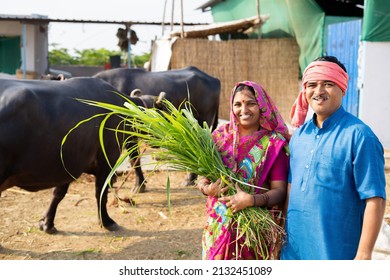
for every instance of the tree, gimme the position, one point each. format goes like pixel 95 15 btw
pixel 93 57
pixel 61 57
pixel 140 60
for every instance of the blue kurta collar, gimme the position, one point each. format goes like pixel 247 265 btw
pixel 335 117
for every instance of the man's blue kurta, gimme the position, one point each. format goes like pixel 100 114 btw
pixel 333 170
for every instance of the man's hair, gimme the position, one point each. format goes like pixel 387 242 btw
pixel 331 59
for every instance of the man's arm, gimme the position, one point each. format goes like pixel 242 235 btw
pixel 372 222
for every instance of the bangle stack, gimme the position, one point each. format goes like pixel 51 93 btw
pixel 264 197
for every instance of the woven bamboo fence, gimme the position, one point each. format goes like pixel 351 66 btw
pixel 273 63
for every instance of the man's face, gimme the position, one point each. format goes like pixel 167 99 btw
pixel 324 97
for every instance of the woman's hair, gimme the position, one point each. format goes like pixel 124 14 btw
pixel 331 59
pixel 242 87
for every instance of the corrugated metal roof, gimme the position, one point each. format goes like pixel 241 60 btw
pixel 43 19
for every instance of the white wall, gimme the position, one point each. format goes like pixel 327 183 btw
pixel 42 48
pixel 374 103
pixel 36 44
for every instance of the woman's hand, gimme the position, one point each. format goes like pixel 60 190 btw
pixel 201 183
pixel 238 201
pixel 210 188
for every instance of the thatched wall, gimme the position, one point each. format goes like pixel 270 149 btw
pixel 271 62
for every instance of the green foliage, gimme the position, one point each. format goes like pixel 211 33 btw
pixel 91 57
pixel 61 57
pixel 139 60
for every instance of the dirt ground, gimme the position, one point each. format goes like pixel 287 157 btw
pixel 150 229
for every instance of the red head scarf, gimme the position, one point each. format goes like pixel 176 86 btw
pixel 317 70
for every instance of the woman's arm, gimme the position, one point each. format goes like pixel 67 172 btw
pixel 285 206
pixel 276 195
pixel 241 200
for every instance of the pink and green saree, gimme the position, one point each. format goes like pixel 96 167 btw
pixel 253 157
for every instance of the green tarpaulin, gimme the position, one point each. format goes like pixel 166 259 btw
pixel 304 20
pixel 376 21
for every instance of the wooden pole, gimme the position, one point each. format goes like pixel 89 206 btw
pixel 128 28
pixel 258 15
pixel 163 19
pixel 181 21
pixel 173 8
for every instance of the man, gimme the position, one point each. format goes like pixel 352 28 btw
pixel 337 186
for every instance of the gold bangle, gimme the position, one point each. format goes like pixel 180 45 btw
pixel 266 199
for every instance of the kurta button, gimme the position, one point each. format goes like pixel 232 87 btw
pixel 317 136
pixel 306 166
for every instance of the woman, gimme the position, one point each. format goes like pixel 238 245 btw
pixel 253 144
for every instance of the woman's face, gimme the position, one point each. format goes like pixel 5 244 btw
pixel 247 111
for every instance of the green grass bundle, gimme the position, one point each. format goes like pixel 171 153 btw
pixel 186 146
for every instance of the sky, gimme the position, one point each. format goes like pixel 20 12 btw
pixel 85 36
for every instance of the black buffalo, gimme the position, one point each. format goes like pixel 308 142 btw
pixel 187 84
pixel 35 116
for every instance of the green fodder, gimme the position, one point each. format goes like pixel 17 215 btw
pixel 186 146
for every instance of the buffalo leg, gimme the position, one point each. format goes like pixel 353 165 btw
pixel 135 162
pixel 46 224
pixel 101 199
pixel 189 180
pixel 139 185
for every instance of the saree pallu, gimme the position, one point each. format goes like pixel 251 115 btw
pixel 219 241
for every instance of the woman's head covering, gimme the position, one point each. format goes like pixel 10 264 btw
pixel 316 71
pixel 271 122
pixel 270 118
